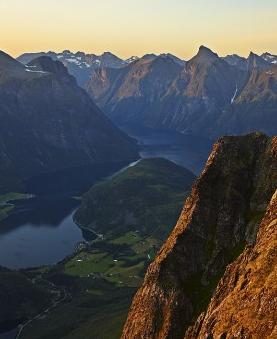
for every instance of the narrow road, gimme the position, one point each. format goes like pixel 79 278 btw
pixel 21 327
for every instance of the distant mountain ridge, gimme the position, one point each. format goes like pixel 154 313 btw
pixel 252 60
pixel 147 79
pixel 79 64
pixel 269 57
pixel 49 123
pixel 82 65
pixel 207 94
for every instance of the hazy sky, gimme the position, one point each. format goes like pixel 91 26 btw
pixel 136 27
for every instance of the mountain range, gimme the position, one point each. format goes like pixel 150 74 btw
pixel 208 94
pixel 79 64
pixel 82 62
pixel 82 66
pixel 49 123
pixel 215 274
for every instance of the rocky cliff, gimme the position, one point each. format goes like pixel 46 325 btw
pixel 219 221
pixel 244 304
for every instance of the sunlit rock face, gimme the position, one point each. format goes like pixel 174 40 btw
pixel 228 206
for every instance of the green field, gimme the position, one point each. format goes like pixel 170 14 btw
pixel 101 282
pixel 134 211
pixel 5 208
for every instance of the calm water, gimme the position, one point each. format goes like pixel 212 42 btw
pixel 187 151
pixel 41 230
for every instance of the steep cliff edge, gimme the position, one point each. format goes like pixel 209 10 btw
pixel 219 219
pixel 244 304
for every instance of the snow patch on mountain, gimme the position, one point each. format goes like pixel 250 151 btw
pixel 270 58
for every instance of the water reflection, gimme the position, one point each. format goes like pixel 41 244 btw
pixel 30 245
pixel 185 150
pixel 41 230
pixel 39 212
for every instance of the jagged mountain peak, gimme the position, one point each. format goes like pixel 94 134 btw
pixel 107 53
pixel 206 52
pixel 149 56
pixel 6 61
pixel 253 56
pixel 110 56
pixel 269 57
pixel 47 64
pixel 205 56
pixel 234 58
pixel 166 58
pixel 80 54
pixel 255 61
pixel 131 59
pixel 179 61
pixel 267 54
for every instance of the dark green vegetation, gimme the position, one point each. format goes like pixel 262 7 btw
pixel 92 289
pixel 147 197
pixel 5 206
pixel 48 123
pixel 86 307
pixel 20 298
pixel 100 283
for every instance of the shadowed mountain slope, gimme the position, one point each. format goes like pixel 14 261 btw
pixel 207 94
pixel 49 123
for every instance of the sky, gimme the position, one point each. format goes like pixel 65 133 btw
pixel 137 27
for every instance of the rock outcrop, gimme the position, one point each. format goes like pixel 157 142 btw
pixel 219 221
pixel 245 302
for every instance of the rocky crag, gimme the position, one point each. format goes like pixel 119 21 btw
pixel 186 292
